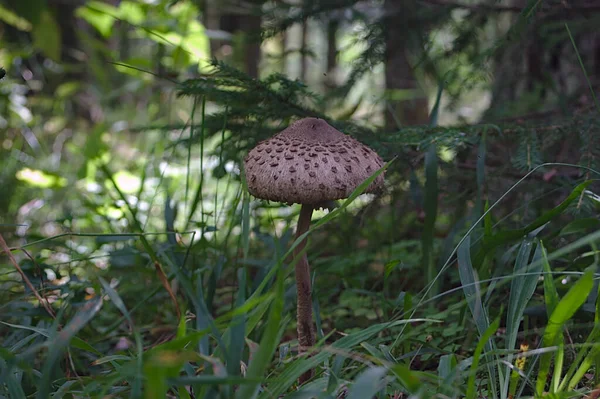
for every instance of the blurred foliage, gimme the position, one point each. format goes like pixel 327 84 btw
pixel 140 266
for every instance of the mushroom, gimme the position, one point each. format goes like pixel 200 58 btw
pixel 309 163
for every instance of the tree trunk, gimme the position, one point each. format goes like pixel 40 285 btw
pixel 406 101
pixel 303 49
pixel 332 53
pixel 248 26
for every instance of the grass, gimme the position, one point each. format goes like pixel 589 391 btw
pixel 228 327
pixel 128 306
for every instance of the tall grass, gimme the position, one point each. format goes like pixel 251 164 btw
pixel 196 314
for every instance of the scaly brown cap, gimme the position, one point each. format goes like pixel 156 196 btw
pixel 310 162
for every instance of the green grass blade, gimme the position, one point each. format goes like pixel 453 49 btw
pixel 198 193
pixel 472 291
pixel 565 309
pixel 522 287
pixel 189 154
pixel 291 373
pixel 487 220
pixel 268 343
pixel 551 298
pixel 521 290
pixel 506 236
pixel 238 329
pixel 63 389
pixel 116 300
pixel 526 276
pixel 588 355
pixel 60 341
pixel 431 205
pixel 446 366
pixel 203 317
pixel 136 388
pixel 480 176
pixel 483 341
pixel 435 111
pixel 558 366
pixel 471 288
pixel 161 365
pixel 245 222
pixel 334 371
pixel 447 374
pixel 581 365
pixel 367 384
pixel 8 377
pixel 587 78
pixel 212 380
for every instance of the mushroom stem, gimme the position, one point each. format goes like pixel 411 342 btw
pixel 306 333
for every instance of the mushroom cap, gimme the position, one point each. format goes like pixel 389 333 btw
pixel 308 163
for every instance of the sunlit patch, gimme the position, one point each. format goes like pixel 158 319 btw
pixel 38 178
pixel 50 274
pixel 93 187
pixel 127 182
pixel 110 212
pixel 446 154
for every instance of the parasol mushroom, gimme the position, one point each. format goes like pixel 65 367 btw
pixel 309 163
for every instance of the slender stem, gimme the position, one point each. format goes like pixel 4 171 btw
pixel 306 332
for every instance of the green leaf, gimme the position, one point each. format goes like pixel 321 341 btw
pixel 8 375
pixel 291 373
pixel 435 111
pixel 333 380
pixel 483 341
pixel 47 36
pixel 551 298
pixel 446 368
pixel 431 205
pixel 159 367
pixel 63 389
pixel 389 267
pixel 14 20
pixel 60 341
pixel 238 328
pixel 480 173
pixel 506 236
pixel 116 300
pixel 408 378
pixel 245 219
pixel 101 20
pixel 487 220
pixel 565 309
pixel 367 384
pixel 212 380
pixel 522 287
pixel 524 280
pixel 471 288
pixel 580 226
pixel 268 343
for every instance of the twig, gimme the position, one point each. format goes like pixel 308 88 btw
pixel 12 259
pixel 504 8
